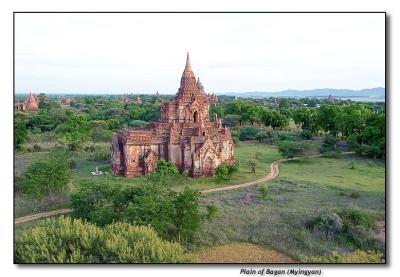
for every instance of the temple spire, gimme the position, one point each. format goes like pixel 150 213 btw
pixel 188 65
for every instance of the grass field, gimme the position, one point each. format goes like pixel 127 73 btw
pixel 240 252
pixel 295 198
pixel 81 174
pixel 243 153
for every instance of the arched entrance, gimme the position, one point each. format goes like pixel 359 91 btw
pixel 196 117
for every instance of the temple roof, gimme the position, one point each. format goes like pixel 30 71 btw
pixel 188 80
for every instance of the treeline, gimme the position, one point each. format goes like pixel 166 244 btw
pixel 93 118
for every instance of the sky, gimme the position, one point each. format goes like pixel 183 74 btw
pixel 145 53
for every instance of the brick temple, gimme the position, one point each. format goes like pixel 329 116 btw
pixel 184 135
pixel 31 104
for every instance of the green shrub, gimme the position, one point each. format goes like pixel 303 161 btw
pixel 152 205
pixel 212 211
pixel 305 134
pixel 222 171
pixel 327 225
pixel 66 240
pixel 355 194
pixel 36 148
pixel 248 133
pixel 233 168
pixel 285 136
pixel 349 226
pixel 47 176
pixel 329 144
pixel 166 168
pixel 291 149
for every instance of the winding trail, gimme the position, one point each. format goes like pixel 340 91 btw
pixel 41 215
pixel 273 173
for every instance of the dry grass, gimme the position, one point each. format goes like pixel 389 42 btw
pixel 239 252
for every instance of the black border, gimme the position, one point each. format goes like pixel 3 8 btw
pixel 387 68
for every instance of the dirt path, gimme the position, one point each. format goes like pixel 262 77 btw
pixel 273 173
pixel 41 215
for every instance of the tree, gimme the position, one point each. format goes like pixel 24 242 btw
pixel 67 240
pixel 173 215
pixel 74 131
pixel 99 131
pixel 137 123
pixel 329 144
pixel 306 118
pixel 266 117
pixel 326 118
pixel 351 120
pixel 20 134
pixel 231 120
pixel 166 168
pixel 279 120
pixel 252 164
pixel 291 149
pixel 248 133
pixel 212 211
pixel 47 176
pixel 187 217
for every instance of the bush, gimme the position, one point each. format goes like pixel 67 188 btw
pixel 252 164
pixel 233 168
pixel 284 136
pixel 352 165
pixel 212 211
pixel 222 171
pixel 66 240
pixel 248 133
pixel 349 226
pixel 166 168
pixel 137 124
pixel 305 134
pixel 36 148
pixel 152 205
pixel 47 176
pixel 327 225
pixel 355 194
pixel 329 144
pixel 291 149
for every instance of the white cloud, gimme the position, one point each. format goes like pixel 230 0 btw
pixel 95 53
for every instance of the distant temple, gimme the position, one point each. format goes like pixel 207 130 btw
pixel 65 101
pixel 213 99
pixel 330 98
pixel 30 104
pixel 138 100
pixel 184 135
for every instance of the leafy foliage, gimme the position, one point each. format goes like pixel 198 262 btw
pixel 47 176
pixel 20 134
pixel 167 168
pixel 173 215
pixel 291 149
pixel 66 240
pixel 74 131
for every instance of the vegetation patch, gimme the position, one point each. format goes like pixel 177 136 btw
pixel 67 240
